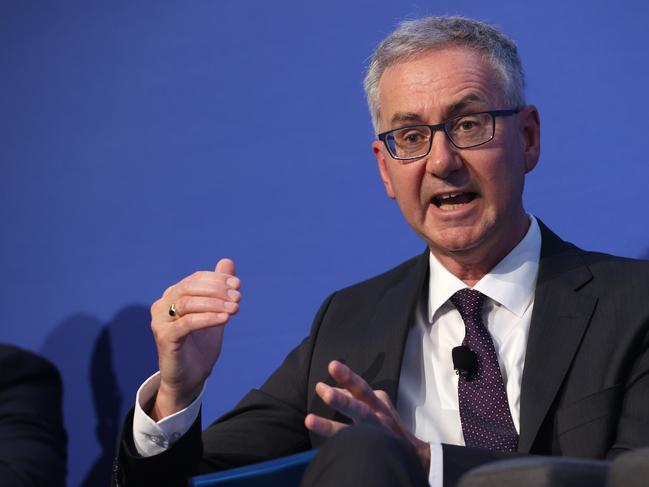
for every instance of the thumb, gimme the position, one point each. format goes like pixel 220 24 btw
pixel 226 266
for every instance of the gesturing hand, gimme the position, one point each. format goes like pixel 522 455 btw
pixel 190 343
pixel 359 402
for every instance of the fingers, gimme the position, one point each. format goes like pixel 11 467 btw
pixel 322 426
pixel 200 300
pixel 187 305
pixel 344 402
pixel 356 385
pixel 195 321
pixel 359 402
pixel 384 398
pixel 226 266
pixel 221 288
pixel 198 304
pixel 204 283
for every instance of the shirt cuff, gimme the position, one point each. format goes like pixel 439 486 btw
pixel 152 438
pixel 436 473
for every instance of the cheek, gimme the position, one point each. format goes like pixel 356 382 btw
pixel 408 196
pixel 502 183
pixel 407 188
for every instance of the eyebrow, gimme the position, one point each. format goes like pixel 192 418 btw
pixel 461 105
pixel 406 117
pixel 451 111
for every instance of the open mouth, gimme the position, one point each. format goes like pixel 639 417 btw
pixel 452 201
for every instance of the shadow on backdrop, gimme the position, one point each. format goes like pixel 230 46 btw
pixel 122 358
pixel 102 366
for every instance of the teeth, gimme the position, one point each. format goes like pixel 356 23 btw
pixel 452 201
pixel 449 207
pixel 449 195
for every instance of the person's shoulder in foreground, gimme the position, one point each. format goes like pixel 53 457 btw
pixel 33 441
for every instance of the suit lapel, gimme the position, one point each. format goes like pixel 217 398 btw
pixel 372 345
pixel 563 306
pixel 392 320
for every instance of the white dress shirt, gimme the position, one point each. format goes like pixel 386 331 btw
pixel 428 386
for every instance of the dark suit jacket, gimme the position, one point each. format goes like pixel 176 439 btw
pixel 585 388
pixel 32 438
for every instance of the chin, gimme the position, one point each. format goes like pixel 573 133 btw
pixel 454 240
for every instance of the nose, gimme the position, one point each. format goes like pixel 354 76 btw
pixel 443 158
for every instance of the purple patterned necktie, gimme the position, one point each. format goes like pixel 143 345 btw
pixel 484 410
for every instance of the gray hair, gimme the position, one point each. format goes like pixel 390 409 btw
pixel 418 36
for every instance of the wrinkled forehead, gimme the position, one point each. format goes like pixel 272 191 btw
pixel 441 82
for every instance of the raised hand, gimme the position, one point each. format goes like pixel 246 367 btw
pixel 359 402
pixel 189 343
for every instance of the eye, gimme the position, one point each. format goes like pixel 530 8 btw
pixel 470 129
pixel 411 135
pixel 467 124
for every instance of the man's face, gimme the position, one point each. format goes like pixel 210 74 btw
pixel 484 215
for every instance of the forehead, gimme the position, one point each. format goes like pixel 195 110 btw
pixel 437 84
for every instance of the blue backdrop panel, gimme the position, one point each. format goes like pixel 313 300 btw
pixel 141 141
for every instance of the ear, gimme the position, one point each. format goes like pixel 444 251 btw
pixel 530 124
pixel 378 149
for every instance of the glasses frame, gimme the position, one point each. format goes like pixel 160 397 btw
pixel 383 136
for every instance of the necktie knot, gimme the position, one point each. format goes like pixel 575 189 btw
pixel 469 303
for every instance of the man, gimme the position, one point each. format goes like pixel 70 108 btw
pixel 555 340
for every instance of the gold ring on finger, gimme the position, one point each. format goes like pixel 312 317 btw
pixel 173 312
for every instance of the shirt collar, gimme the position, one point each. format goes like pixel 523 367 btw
pixel 510 283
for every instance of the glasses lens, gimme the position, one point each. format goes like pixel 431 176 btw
pixel 409 142
pixel 470 130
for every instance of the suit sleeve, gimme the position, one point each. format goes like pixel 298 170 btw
pixel 32 438
pixel 633 426
pixel 267 423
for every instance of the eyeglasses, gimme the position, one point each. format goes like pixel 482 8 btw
pixel 464 132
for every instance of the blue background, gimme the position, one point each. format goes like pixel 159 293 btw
pixel 143 140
